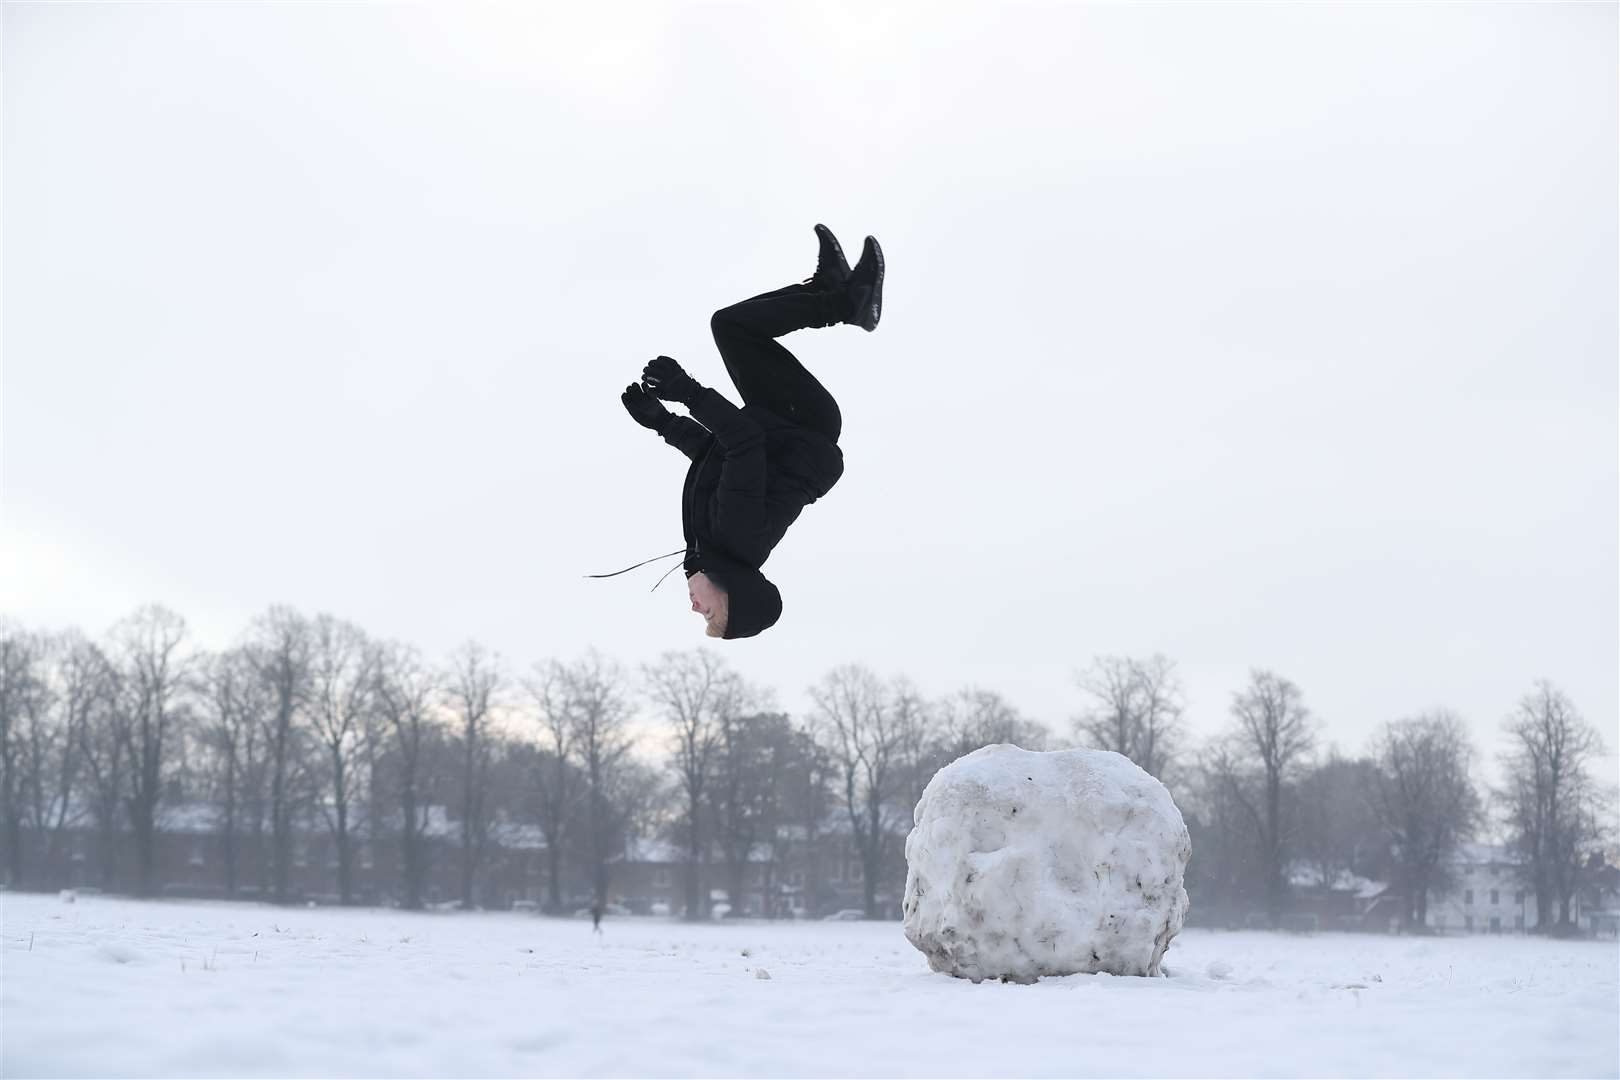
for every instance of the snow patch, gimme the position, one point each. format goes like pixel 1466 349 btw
pixel 118 953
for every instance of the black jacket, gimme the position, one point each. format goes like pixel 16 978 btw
pixel 752 473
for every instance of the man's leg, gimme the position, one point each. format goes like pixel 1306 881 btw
pixel 765 373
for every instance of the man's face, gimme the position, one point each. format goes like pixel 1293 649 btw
pixel 708 600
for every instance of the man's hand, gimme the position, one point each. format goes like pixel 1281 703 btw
pixel 664 378
pixel 644 409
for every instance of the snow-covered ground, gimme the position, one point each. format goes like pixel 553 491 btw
pixel 112 987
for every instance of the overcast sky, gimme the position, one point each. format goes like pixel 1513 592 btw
pixel 1253 335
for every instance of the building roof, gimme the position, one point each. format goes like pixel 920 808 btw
pixel 1480 854
pixel 517 836
pixel 1304 876
pixel 642 849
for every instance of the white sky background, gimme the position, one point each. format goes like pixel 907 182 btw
pixel 1255 335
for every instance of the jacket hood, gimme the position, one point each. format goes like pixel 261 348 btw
pixel 753 603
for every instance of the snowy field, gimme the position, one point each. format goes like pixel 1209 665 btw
pixel 112 987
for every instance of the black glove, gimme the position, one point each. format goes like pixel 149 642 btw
pixel 645 409
pixel 664 378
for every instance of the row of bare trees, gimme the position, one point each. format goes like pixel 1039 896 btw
pixel 310 719
pixel 1402 811
pixel 303 721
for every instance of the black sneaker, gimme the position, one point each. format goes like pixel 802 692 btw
pixel 832 269
pixel 866 287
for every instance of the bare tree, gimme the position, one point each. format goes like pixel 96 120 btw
pixel 1337 830
pixel 35 746
pixel 473 683
pixel 600 741
pixel 341 685
pixel 973 718
pixel 1272 735
pixel 155 669
pixel 1225 876
pixel 867 730
pixel 551 687
pixel 101 751
pixel 405 692
pixel 279 647
pixel 1426 802
pixel 744 797
pixel 639 799
pixel 238 705
pixel 21 682
pixel 692 690
pixel 1551 801
pixel 1136 711
pixel 74 683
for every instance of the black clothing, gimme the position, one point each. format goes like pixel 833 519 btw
pixel 668 381
pixel 756 468
pixel 645 409
pixel 866 286
pixel 832 269
pixel 764 372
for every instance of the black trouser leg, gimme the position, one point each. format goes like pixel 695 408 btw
pixel 765 373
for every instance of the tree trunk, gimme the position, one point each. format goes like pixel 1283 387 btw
pixel 410 854
pixel 143 854
pixel 696 909
pixel 1274 867
pixel 1544 906
pixel 738 882
pixel 107 857
pixel 280 838
pixel 693 887
pixel 468 853
pixel 553 876
pixel 228 853
pixel 14 852
pixel 228 839
pixel 345 859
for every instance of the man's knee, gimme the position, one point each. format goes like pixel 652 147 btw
pixel 728 329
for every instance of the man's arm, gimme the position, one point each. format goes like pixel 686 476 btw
pixel 739 523
pixel 686 435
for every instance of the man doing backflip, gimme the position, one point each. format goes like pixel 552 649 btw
pixel 755 468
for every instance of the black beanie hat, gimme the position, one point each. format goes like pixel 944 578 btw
pixel 753 603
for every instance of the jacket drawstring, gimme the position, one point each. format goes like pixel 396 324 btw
pixel 644 562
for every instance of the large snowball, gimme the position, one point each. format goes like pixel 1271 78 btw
pixel 1023 864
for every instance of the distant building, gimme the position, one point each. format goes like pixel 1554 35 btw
pixel 1600 900
pixel 1490 895
pixel 1345 901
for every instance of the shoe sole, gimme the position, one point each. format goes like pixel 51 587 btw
pixel 874 310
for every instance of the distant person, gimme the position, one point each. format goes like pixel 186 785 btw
pixel 754 469
pixel 596 918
